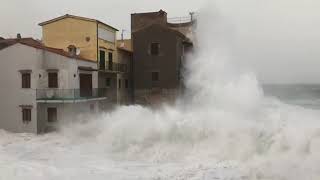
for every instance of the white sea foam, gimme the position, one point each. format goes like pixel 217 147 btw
pixel 224 128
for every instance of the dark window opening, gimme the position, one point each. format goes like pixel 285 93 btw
pixel 126 82
pixel 26 80
pixel 26 115
pixel 119 83
pixel 155 49
pixel 52 115
pixel 155 76
pixel 53 80
pixel 110 62
pixel 102 60
pixel 108 82
pixel 86 85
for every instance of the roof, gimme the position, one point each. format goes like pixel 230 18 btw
pixel 38 45
pixel 155 25
pixel 125 50
pixel 75 17
pixel 125 44
pixel 151 13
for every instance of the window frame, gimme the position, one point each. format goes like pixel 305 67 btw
pixel 26 80
pixel 56 114
pixel 53 84
pixel 155 46
pixel 108 82
pixel 26 113
pixel 157 73
pixel 119 83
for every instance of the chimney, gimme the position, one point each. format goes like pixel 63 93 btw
pixel 18 36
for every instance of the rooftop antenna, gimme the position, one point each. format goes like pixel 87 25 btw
pixel 122 34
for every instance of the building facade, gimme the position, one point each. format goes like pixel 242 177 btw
pixel 158 56
pixel 90 39
pixel 43 87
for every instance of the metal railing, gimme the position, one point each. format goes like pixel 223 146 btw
pixel 178 20
pixel 70 94
pixel 115 67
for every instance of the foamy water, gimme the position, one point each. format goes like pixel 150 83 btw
pixel 223 128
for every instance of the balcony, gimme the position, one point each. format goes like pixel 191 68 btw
pixel 70 95
pixel 115 67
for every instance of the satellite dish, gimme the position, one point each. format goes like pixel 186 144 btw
pixel 78 51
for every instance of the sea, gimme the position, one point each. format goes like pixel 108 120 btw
pixel 304 95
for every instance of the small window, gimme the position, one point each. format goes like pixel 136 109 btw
pixel 155 49
pixel 53 80
pixel 119 83
pixel 52 115
pixel 102 59
pixel 126 84
pixel 26 80
pixel 108 82
pixel 26 115
pixel 155 76
pixel 110 62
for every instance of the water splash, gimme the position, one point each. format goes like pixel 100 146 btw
pixel 225 128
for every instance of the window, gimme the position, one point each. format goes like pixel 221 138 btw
pixel 126 84
pixel 110 62
pixel 155 49
pixel 108 82
pixel 26 80
pixel 26 115
pixel 155 76
pixel 52 115
pixel 53 80
pixel 119 83
pixel 102 59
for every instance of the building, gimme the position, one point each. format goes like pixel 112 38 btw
pixel 93 40
pixel 42 86
pixel 159 50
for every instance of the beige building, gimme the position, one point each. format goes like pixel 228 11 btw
pixel 94 40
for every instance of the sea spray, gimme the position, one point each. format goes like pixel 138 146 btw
pixel 223 128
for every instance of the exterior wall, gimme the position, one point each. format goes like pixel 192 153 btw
pixel 186 28
pixel 167 63
pixel 142 20
pixel 125 44
pixel 67 69
pixel 71 31
pixel 108 46
pixel 13 59
pixel 66 113
pixel 125 95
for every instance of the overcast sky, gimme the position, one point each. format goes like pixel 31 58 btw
pixel 277 39
pixel 24 15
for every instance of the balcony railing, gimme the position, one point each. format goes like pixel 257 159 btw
pixel 70 94
pixel 115 67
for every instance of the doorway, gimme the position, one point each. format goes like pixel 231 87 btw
pixel 52 114
pixel 85 85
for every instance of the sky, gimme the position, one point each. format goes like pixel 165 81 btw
pixel 278 40
pixel 23 16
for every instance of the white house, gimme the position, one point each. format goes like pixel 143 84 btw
pixel 42 86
